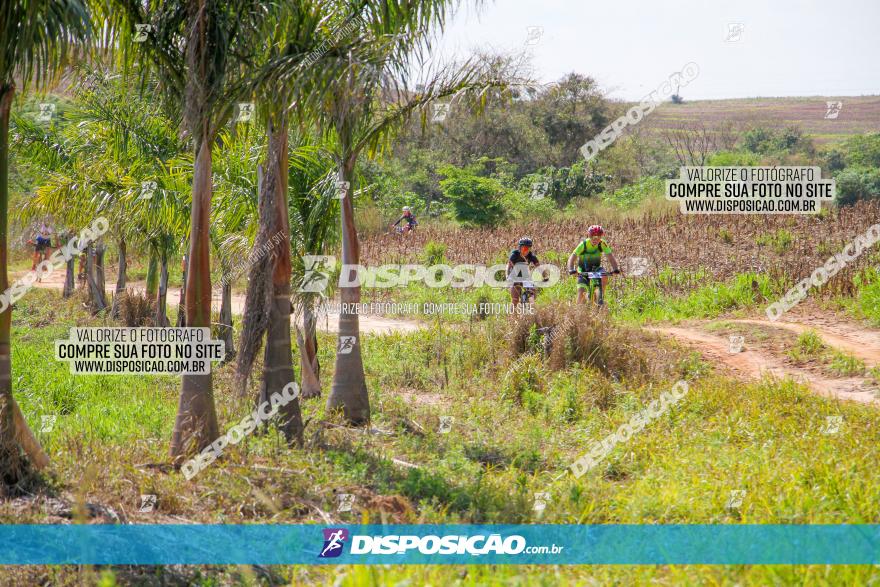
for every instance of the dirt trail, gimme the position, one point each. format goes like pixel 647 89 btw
pixel 861 343
pixel 327 321
pixel 754 364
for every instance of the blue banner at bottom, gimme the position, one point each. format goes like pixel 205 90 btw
pixel 440 544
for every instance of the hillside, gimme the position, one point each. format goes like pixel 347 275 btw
pixel 858 115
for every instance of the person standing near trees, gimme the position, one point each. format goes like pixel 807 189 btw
pixel 42 242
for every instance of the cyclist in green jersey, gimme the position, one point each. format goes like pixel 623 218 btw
pixel 588 256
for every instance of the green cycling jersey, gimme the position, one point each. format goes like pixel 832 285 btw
pixel 590 255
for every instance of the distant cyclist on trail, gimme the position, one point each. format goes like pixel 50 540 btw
pixel 519 266
pixel 42 242
pixel 588 256
pixel 411 222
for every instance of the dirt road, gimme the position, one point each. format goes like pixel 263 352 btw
pixel 328 321
pixel 749 363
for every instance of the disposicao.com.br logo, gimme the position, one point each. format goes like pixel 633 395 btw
pixel 476 545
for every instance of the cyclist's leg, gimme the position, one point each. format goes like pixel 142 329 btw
pixel 515 292
pixel 582 286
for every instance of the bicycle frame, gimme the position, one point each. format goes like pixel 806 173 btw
pixel 594 280
pixel 528 292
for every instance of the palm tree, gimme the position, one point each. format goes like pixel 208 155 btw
pixel 115 142
pixel 362 108
pixel 268 306
pixel 199 47
pixel 36 37
pixel 235 216
pixel 313 212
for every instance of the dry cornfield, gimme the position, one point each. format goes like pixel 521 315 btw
pixel 720 245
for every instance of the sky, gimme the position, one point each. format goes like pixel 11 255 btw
pixel 746 48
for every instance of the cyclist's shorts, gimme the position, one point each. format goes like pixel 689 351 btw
pixel 42 244
pixel 583 280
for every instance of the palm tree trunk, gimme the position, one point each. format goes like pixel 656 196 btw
pixel 14 431
pixel 278 356
pixel 310 368
pixel 162 295
pixel 181 305
pixel 100 276
pixel 196 423
pixel 226 332
pixel 349 390
pixel 69 281
pixel 120 279
pixel 153 275
pixel 97 301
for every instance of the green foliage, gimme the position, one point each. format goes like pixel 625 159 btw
pixel 733 159
pixel 862 150
pixel 525 380
pixel 857 183
pixel 476 200
pixel 780 240
pixel 434 253
pixel 633 195
pixel 866 303
pixel 772 141
pixel 846 365
pixel 563 184
pixel 651 300
pixel 725 235
pixel 808 347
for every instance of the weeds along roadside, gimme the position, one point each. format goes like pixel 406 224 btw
pixel 510 437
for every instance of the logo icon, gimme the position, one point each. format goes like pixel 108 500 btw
pixel 141 31
pixel 735 344
pixel 346 344
pixel 148 502
pixel 148 188
pixel 445 424
pixel 245 112
pixel 834 108
pixel 47 423
pixel 734 32
pixel 346 500
pixel 832 424
pixel 539 190
pixel 342 188
pixel 317 273
pixel 735 501
pixel 534 34
pixel 637 266
pixel 541 500
pixel 47 111
pixel 440 111
pixel 334 540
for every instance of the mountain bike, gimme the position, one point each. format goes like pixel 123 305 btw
pixel 594 282
pixel 528 292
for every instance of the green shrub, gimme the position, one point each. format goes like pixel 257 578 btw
pixel 476 200
pixel 633 195
pixel 434 253
pixel 857 183
pixel 733 159
pixel 780 240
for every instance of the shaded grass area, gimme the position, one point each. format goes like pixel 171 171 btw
pixel 520 416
